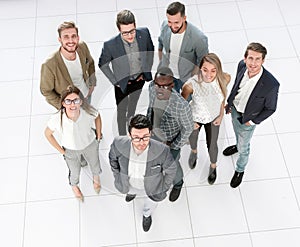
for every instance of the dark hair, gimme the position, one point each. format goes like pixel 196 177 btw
pixel 256 47
pixel 125 17
pixel 139 121
pixel 164 71
pixel 66 25
pixel 176 7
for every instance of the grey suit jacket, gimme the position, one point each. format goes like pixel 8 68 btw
pixel 160 167
pixel 113 52
pixel 194 46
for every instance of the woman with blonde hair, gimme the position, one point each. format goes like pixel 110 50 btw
pixel 75 123
pixel 208 89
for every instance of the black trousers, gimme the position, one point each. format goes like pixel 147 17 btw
pixel 126 103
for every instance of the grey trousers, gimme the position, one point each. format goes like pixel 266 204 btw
pixel 73 160
pixel 212 133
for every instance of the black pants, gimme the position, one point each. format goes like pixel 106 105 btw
pixel 126 103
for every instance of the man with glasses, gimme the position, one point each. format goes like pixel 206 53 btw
pixel 72 65
pixel 142 166
pixel 130 55
pixel 172 120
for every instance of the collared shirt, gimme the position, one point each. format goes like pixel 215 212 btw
pixel 246 87
pixel 137 168
pixel 76 74
pixel 134 58
pixel 177 121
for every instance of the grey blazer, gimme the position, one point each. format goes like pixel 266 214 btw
pixel 113 52
pixel 160 167
pixel 194 46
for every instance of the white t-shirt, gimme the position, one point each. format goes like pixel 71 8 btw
pixel 137 168
pixel 76 74
pixel 75 135
pixel 206 100
pixel 175 46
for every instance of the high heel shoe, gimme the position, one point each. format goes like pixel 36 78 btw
pixel 77 193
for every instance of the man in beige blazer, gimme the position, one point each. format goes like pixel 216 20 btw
pixel 72 64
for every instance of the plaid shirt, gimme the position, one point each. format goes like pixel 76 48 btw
pixel 177 120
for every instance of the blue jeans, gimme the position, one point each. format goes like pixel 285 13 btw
pixel 243 135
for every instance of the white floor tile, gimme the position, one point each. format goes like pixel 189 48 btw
pixel 22 95
pixel 174 243
pixel 66 7
pixel 12 225
pixel 13 187
pixel 24 37
pixel 289 146
pixel 294 31
pixel 235 240
pixel 14 141
pixel 52 223
pixel 289 237
pixel 9 57
pixel 216 210
pixel 95 6
pixel 142 20
pixel 107 220
pixel 267 37
pixel 296 185
pixel 289 10
pixel 48 178
pixel 135 4
pixel 270 205
pixel 263 18
pixel 167 223
pixel 212 24
pixel 17 9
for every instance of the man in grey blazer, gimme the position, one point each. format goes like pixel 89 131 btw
pixel 142 166
pixel 253 99
pixel 130 55
pixel 181 45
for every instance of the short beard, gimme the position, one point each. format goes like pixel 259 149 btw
pixel 178 28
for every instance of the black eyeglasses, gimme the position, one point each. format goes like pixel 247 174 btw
pixel 138 139
pixel 163 86
pixel 70 101
pixel 126 33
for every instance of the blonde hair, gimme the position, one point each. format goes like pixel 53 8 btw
pixel 212 58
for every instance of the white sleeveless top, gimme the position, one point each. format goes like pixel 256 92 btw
pixel 206 100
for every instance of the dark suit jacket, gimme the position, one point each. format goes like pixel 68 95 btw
pixel 160 167
pixel 262 102
pixel 113 52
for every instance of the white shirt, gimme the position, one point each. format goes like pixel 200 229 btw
pixel 206 100
pixel 76 74
pixel 75 135
pixel 175 46
pixel 137 168
pixel 246 87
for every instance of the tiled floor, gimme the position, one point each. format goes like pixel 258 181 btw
pixel 37 207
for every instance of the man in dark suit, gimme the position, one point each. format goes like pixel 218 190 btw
pixel 253 99
pixel 142 166
pixel 131 56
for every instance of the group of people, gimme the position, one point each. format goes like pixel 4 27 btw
pixel 188 91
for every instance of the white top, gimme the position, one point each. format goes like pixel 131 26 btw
pixel 206 100
pixel 76 74
pixel 137 168
pixel 175 46
pixel 246 87
pixel 74 135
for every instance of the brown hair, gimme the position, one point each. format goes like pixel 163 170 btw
pixel 212 58
pixel 66 25
pixel 125 17
pixel 256 47
pixel 176 7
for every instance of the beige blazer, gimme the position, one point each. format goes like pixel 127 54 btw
pixel 55 76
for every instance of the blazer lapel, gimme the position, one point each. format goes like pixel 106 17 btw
pixel 63 67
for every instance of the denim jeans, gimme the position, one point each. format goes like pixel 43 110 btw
pixel 243 135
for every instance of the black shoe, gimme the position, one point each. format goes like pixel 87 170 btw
pixel 174 194
pixel 236 179
pixel 230 150
pixel 129 197
pixel 192 160
pixel 147 221
pixel 212 175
